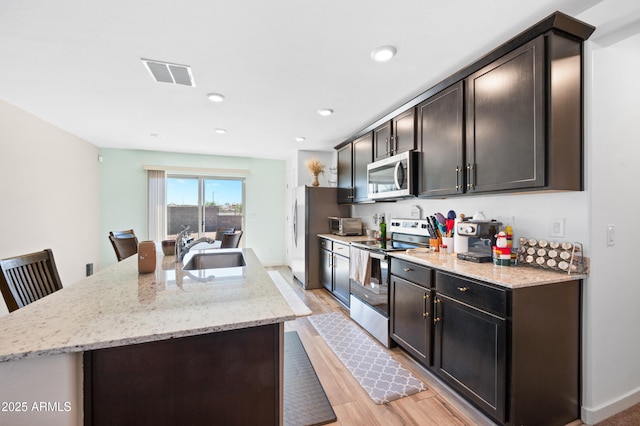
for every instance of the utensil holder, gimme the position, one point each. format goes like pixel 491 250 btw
pixel 449 243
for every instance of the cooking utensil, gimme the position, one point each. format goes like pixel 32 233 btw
pixel 434 224
pixel 441 218
pixel 451 215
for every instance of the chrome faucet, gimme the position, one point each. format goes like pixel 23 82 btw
pixel 181 242
pixel 184 250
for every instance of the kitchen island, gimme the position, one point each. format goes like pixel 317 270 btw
pixel 166 326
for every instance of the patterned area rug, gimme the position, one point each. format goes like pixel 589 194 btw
pixel 378 373
pixel 305 402
pixel 297 306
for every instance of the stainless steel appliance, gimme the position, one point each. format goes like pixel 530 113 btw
pixel 481 237
pixel 369 302
pixel 345 225
pixel 311 208
pixel 393 177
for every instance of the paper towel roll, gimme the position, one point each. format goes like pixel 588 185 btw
pixel 460 243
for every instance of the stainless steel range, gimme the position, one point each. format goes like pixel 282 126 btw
pixel 369 300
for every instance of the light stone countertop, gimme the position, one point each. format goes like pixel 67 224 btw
pixel 117 306
pixel 504 276
pixel 346 239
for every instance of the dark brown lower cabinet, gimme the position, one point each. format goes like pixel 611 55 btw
pixel 411 318
pixel 470 353
pixel 230 377
pixel 334 268
pixel 514 353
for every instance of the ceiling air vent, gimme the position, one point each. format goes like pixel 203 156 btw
pixel 166 72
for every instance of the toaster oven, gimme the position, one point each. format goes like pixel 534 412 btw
pixel 345 225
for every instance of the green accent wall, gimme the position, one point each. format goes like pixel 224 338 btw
pixel 123 197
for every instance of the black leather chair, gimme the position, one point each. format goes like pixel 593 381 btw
pixel 125 243
pixel 221 231
pixel 231 240
pixel 27 278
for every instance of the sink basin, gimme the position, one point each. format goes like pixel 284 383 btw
pixel 215 260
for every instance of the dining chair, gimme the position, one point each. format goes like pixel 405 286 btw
pixel 221 231
pixel 27 278
pixel 231 239
pixel 125 243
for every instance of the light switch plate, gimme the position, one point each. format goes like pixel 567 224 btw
pixel 557 227
pixel 611 235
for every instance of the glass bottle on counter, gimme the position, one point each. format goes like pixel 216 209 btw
pixel 383 232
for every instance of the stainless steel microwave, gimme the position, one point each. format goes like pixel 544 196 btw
pixel 393 177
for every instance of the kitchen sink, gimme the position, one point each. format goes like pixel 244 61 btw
pixel 215 260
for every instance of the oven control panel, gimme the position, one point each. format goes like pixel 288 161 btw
pixel 410 226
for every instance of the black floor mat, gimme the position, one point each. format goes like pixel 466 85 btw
pixel 305 402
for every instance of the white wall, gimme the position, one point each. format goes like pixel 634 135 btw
pixel 529 214
pixel 611 344
pixel 49 188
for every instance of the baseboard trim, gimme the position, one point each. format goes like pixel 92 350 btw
pixel 592 416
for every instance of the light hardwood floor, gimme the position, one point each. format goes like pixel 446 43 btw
pixel 435 406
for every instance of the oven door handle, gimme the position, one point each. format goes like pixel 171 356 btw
pixel 377 256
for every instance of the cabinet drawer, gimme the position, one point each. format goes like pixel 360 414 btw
pixel 473 293
pixel 417 274
pixel 326 244
pixel 341 249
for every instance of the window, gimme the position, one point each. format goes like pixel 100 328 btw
pixel 204 203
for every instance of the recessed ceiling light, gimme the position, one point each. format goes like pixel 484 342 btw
pixel 300 139
pixel 155 135
pixel 221 131
pixel 383 53
pixel 325 112
pixel 215 97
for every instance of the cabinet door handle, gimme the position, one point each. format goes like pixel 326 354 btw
pixel 471 176
pixel 425 314
pixel 436 318
pixel 463 289
pixel 407 269
pixel 457 178
pixel 426 296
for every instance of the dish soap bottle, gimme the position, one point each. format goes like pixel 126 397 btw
pixel 383 232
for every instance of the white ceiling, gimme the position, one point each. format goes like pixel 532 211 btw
pixel 76 64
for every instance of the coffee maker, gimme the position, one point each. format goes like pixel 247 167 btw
pixel 481 237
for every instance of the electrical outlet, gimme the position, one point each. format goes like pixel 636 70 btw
pixel 557 227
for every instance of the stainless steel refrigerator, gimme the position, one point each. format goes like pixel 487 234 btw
pixel 312 206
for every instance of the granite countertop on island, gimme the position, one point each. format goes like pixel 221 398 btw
pixel 117 306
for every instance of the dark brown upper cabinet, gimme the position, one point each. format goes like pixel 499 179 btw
pixel 440 137
pixel 362 156
pixel 509 122
pixel 524 119
pixel 345 174
pixel 395 136
pixel 353 159
pixel 505 122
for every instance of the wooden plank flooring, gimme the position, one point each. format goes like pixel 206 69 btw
pixel 353 406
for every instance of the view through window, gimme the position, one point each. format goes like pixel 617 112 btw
pixel 204 203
